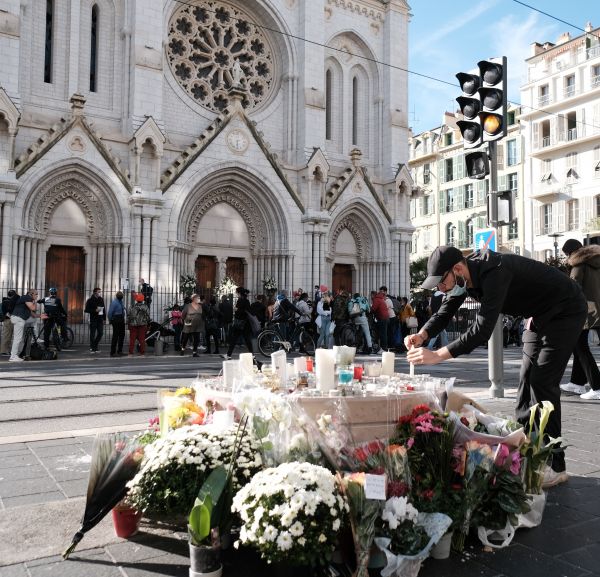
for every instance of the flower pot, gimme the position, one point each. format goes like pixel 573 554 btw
pixel 441 550
pixel 126 521
pixel 205 561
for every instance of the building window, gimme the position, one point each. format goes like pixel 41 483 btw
pixel 544 95
pixel 573 215
pixel 511 118
pixel 413 244
pixel 413 208
pixel 571 160
pixel 596 76
pixel 94 50
pixel 449 170
pixel 448 139
pixel 572 126
pixel 597 162
pixel 426 205
pixel 545 125
pixel 547 171
pixel 328 96
pixel 49 35
pixel 513 231
pixel 469 196
pixel 450 234
pixel 355 110
pixel 569 85
pixel 511 153
pixel 469 232
pixel 547 218
pixel 598 206
pixel 450 200
pixel 426 174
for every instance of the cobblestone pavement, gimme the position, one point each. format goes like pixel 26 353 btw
pixel 43 483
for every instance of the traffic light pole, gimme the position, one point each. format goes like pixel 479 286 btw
pixel 495 345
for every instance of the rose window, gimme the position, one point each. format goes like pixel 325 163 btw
pixel 205 42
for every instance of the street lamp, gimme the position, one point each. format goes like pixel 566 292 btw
pixel 555 236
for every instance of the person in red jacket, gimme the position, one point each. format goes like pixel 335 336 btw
pixel 380 312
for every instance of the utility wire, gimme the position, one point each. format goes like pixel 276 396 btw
pixel 387 64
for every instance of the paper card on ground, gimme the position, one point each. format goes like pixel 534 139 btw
pixel 375 487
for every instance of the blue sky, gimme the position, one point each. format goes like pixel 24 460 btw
pixel 443 40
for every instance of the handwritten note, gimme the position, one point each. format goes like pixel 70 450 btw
pixel 375 487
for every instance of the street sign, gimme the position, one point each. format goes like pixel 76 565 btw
pixel 484 238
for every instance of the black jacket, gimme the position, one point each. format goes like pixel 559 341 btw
pixel 508 284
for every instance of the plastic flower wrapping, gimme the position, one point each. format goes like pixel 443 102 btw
pixel 269 283
pixel 175 466
pixel 178 408
pixel 291 513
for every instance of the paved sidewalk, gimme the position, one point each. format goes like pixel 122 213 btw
pixel 42 487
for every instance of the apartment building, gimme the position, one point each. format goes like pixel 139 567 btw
pixel 451 206
pixel 561 126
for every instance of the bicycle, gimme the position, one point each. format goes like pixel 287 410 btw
pixel 352 335
pixel 62 336
pixel 271 339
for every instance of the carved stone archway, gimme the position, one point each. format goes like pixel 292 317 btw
pixel 359 233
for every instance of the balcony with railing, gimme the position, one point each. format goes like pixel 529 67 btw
pixel 595 81
pixel 570 91
pixel 544 100
pixel 593 52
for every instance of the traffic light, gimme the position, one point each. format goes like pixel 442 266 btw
pixel 478 165
pixel 470 107
pixel 505 210
pixel 492 95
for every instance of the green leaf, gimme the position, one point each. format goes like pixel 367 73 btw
pixel 199 520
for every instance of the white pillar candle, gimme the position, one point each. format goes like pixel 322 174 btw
pixel 279 362
pixel 300 364
pixel 325 369
pixel 412 369
pixel 230 372
pixel 246 364
pixel 223 419
pixel 387 363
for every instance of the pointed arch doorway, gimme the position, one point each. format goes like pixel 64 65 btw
pixel 65 270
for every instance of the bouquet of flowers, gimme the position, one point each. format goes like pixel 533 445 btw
pixel 536 451
pixel 364 514
pixel 269 283
pixel 505 499
pixel 406 536
pixel 226 287
pixel 476 462
pixel 178 408
pixel 175 467
pixel 291 513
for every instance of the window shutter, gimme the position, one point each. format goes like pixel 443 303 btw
pixel 536 219
pixel 460 198
pixel 481 222
pixel 480 192
pixel 441 171
pixel 502 186
pixel 518 149
pixel 442 201
pixel 536 135
pixel 581 123
pixel 558 216
pixel 460 166
pixel 461 233
pixel 500 156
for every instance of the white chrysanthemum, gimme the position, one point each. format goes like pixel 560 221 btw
pixel 284 541
pixel 297 529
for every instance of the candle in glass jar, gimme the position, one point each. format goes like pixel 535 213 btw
pixel 309 364
pixel 246 363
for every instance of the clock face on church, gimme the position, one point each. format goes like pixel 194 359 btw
pixel 237 140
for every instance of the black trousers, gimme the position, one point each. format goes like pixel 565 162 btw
pixel 546 352
pixel 118 335
pixel 96 331
pixel 585 370
pixel 235 333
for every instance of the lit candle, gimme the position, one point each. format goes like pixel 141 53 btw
pixel 300 364
pixel 387 363
pixel 230 372
pixel 325 369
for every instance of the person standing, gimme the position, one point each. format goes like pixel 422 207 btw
pixel 442 337
pixel 138 318
pixel 240 326
pixel 358 308
pixel 212 322
pixel 406 312
pixel 116 317
pixel 97 311
pixel 340 315
pixel 514 285
pixel 226 309
pixel 193 324
pixel 23 315
pixel 379 309
pixel 324 319
pixel 147 291
pixel 55 313
pixel 8 305
pixel 584 263
pixel 177 324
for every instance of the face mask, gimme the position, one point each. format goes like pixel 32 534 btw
pixel 457 290
pixel 120 298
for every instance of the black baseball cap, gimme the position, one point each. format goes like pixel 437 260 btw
pixel 571 246
pixel 442 259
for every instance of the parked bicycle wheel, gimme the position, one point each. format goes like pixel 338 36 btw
pixel 68 338
pixel 56 339
pixel 268 342
pixel 307 343
pixel 348 336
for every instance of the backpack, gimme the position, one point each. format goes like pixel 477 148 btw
pixel 355 311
